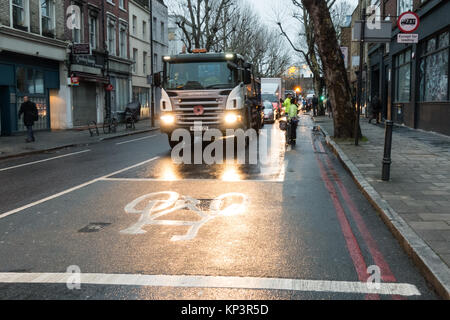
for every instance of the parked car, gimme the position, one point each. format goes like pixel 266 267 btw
pixel 269 112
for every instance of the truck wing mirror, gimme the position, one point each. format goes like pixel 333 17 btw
pixel 247 76
pixel 157 79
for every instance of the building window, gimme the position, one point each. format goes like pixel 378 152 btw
pixel 93 32
pixel 144 29
pixel 433 68
pixel 122 4
pixel 134 25
pixel 48 18
pixel 123 45
pixel 155 21
pixel 162 31
pixel 403 76
pixel 403 6
pixel 135 55
pixel 144 63
pixel 155 63
pixel 19 13
pixel 112 37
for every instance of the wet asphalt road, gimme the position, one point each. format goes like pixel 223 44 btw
pixel 298 217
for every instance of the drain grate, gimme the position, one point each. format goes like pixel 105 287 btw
pixel 94 227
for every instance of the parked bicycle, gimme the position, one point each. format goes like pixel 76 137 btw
pixel 129 117
pixel 110 124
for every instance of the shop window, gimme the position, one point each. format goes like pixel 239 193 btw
pixel 30 81
pixel 403 76
pixel 433 69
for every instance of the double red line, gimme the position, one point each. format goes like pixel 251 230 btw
pixel 350 239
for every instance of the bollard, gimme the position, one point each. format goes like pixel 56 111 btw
pixel 385 176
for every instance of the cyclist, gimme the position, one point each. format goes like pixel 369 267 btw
pixel 291 118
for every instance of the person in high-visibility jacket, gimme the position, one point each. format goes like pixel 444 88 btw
pixel 287 102
pixel 291 111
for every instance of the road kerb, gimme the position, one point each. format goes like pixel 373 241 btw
pixel 431 266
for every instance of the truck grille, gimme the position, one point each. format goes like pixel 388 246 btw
pixel 213 110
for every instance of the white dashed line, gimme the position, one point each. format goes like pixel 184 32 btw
pixel 49 159
pixel 134 140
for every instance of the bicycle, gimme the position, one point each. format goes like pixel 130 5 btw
pixel 110 125
pixel 93 128
pixel 291 139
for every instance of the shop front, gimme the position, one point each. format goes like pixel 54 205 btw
pixel 25 76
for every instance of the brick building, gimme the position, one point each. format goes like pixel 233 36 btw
pixel 104 31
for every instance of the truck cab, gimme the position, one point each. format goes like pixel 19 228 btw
pixel 204 91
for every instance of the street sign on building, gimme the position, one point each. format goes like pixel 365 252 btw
pixel 81 48
pixel 408 38
pixel 408 22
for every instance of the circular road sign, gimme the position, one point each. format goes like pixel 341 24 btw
pixel 408 22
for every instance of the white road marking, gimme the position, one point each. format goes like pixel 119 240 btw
pixel 6 214
pixel 39 161
pixel 158 204
pixel 129 141
pixel 250 283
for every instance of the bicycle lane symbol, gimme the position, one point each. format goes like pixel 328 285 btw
pixel 159 204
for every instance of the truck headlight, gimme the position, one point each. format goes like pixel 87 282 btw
pixel 231 118
pixel 168 119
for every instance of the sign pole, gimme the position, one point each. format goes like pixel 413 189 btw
pixel 361 60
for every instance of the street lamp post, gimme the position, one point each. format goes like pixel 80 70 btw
pixel 361 60
pixel 152 87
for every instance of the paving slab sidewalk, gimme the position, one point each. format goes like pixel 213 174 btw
pixel 13 146
pixel 415 203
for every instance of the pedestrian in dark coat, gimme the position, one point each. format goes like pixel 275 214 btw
pixel 30 115
pixel 315 104
pixel 376 109
pixel 329 109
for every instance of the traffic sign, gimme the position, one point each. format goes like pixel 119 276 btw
pixel 408 38
pixel 408 22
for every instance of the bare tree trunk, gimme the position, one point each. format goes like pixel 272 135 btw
pixel 344 114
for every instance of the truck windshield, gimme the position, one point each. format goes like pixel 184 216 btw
pixel 201 75
pixel 269 97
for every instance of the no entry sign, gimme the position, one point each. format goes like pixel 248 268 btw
pixel 408 22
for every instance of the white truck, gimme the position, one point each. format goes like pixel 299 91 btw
pixel 272 90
